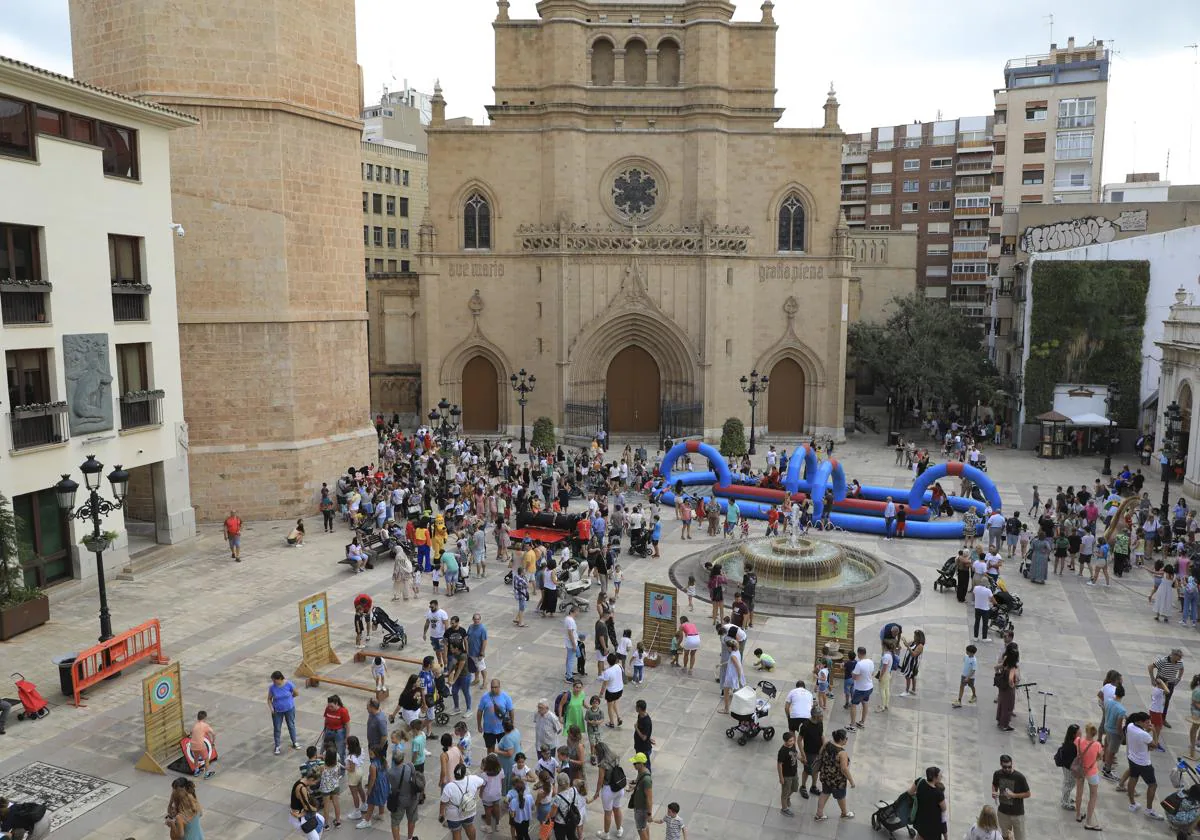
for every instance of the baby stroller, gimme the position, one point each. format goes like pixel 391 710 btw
pixel 1009 602
pixel 747 708
pixel 393 631
pixel 571 586
pixel 639 542
pixel 33 704
pixel 464 573
pixel 947 575
pixel 1182 808
pixel 890 818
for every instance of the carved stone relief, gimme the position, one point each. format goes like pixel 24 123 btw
pixel 89 382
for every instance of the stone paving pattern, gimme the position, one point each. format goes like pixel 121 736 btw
pixel 231 625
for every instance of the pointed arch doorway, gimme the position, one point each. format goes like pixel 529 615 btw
pixel 480 396
pixel 785 399
pixel 634 388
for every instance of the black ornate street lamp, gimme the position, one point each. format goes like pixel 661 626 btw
pixel 1172 420
pixel 754 384
pixel 1109 403
pixel 522 383
pixel 95 507
pixel 445 420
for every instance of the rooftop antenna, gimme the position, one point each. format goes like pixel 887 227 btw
pixel 1050 19
pixel 1167 175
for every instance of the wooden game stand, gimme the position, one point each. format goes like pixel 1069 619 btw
pixel 312 679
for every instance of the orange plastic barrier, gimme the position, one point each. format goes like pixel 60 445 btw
pixel 102 661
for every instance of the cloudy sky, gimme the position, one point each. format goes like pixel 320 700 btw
pixel 892 61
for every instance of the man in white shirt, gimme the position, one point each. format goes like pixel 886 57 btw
pixel 571 638
pixel 992 561
pixel 984 601
pixel 863 685
pixel 798 705
pixel 1137 750
pixel 995 530
pixel 772 458
pixel 435 627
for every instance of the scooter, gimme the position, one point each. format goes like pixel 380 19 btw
pixel 1043 733
pixel 1032 727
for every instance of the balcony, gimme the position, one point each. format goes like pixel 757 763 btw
pixel 855 195
pixel 38 425
pixel 1071 186
pixel 971 212
pixel 140 409
pixel 977 277
pixel 854 177
pixel 129 301
pixel 24 302
pixel 1084 121
pixel 971 300
pixel 973 167
pixel 967 147
pixel 1073 154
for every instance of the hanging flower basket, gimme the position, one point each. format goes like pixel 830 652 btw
pixel 96 545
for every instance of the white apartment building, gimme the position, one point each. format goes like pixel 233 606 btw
pixel 1049 141
pixel 89 329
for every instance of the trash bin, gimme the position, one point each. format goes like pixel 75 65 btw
pixel 66 681
pixel 893 438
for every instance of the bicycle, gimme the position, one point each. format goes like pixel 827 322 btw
pixel 1032 728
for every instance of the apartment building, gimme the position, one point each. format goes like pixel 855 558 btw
pixel 395 194
pixel 1049 141
pixel 91 369
pixel 933 179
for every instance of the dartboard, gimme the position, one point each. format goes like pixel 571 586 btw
pixel 163 691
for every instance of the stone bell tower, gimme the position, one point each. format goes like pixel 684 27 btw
pixel 271 289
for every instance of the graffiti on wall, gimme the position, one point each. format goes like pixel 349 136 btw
pixel 1077 232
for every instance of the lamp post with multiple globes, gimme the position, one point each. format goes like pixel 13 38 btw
pixel 754 384
pixel 522 383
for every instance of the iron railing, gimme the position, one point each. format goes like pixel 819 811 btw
pixel 681 419
pixel 24 307
pixel 584 419
pixel 127 304
pixel 38 427
pixel 141 410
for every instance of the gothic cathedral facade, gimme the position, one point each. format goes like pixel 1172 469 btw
pixel 634 229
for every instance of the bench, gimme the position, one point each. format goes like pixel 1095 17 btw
pixel 111 657
pixel 363 655
pixel 314 681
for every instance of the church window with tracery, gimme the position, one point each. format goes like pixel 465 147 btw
pixel 791 224
pixel 477 222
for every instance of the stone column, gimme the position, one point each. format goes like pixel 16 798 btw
pixel 651 67
pixel 618 67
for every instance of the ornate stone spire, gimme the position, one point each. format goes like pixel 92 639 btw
pixel 501 10
pixel 831 109
pixel 438 104
pixel 768 11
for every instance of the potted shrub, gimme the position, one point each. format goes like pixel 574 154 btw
pixel 21 607
pixel 733 438
pixel 543 434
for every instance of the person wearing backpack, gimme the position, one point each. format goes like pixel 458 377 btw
pixel 566 810
pixel 406 784
pixel 31 818
pixel 641 799
pixel 610 784
pixel 459 803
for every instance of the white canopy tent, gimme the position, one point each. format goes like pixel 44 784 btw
pixel 1089 419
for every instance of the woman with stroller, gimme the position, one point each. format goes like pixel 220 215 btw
pixel 734 676
pixel 929 798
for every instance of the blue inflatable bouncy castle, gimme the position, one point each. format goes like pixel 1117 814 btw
pixel 806 477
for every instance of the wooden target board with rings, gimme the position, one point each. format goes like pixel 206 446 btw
pixel 315 648
pixel 162 719
pixel 835 626
pixel 660 614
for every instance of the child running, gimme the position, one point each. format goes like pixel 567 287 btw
pixel 969 667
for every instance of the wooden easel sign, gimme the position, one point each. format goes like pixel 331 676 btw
pixel 315 647
pixel 660 613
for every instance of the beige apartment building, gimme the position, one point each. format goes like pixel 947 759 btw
pixel 633 229
pixel 1049 142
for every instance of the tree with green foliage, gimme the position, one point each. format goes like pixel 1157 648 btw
pixel 12 578
pixel 543 434
pixel 925 349
pixel 733 438
pixel 1086 328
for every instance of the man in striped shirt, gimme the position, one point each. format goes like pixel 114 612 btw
pixel 1169 669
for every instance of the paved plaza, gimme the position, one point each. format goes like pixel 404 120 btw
pixel 231 625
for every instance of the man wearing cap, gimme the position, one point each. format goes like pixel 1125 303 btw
pixel 641 799
pixel 1169 669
